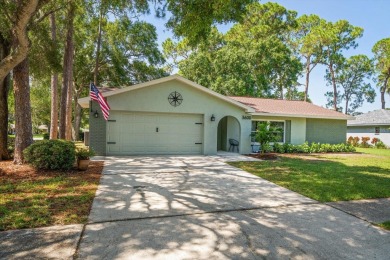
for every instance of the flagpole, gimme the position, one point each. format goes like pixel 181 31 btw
pixel 90 100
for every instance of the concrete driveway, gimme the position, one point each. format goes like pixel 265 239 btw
pixel 199 207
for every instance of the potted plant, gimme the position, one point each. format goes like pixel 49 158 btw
pixel 83 156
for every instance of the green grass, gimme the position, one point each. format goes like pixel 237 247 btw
pixel 383 152
pixel 385 225
pixel 30 198
pixel 328 177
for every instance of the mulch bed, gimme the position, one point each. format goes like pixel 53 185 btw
pixel 264 156
pixel 10 171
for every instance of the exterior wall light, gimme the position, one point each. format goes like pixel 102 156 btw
pixel 212 118
pixel 96 114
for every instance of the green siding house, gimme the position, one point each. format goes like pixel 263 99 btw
pixel 173 115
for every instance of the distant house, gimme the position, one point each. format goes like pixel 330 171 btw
pixel 174 115
pixel 372 124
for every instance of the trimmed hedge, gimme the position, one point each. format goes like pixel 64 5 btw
pixel 51 154
pixel 313 148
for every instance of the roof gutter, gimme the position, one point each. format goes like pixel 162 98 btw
pixel 344 117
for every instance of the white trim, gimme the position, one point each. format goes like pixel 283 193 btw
pixel 344 117
pixel 84 102
pixel 369 124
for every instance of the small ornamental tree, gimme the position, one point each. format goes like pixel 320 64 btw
pixel 266 134
pixel 356 140
pixel 350 140
pixel 365 142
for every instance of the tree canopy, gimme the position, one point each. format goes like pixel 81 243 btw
pixel 252 58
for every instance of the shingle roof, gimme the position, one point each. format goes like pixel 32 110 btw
pixel 278 107
pixel 107 89
pixel 376 117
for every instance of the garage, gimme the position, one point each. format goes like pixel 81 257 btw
pixel 132 133
pixel 170 115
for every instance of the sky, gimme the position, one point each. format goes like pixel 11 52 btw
pixel 372 15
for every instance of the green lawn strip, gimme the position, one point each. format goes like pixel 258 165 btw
pixel 51 200
pixel 327 177
pixel 385 225
pixel 382 152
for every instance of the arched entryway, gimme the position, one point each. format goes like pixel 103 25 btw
pixel 228 128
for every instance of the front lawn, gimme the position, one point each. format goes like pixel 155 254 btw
pixel 383 152
pixel 31 198
pixel 329 177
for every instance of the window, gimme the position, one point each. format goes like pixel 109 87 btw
pixel 275 124
pixel 377 130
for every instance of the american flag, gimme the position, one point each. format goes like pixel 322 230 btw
pixel 97 96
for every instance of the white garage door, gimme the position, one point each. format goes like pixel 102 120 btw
pixel 154 133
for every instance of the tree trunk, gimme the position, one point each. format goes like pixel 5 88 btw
pixel 54 87
pixel 383 91
pixel 4 88
pixel 77 120
pixel 24 12
pixel 307 78
pixel 346 105
pixel 65 129
pixel 281 96
pixel 334 87
pixel 23 124
pixel 98 44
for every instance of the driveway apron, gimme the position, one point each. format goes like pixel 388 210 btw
pixel 199 207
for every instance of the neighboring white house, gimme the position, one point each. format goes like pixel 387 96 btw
pixel 372 124
pixel 173 115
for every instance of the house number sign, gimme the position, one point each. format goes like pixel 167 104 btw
pixel 246 117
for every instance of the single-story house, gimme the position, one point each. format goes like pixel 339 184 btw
pixel 174 115
pixel 374 124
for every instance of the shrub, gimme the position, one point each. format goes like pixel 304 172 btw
pixel 46 136
pixel 303 148
pixel 365 143
pixel 350 140
pixel 51 154
pixel 380 145
pixel 374 140
pixel 287 148
pixel 314 148
pixel 356 141
pixel 278 148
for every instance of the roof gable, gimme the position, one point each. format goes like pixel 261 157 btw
pixel 84 102
pixel 289 108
